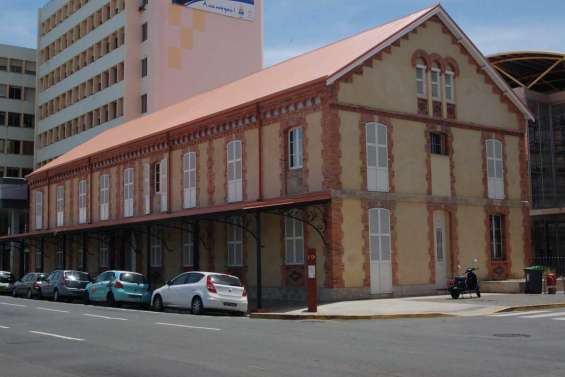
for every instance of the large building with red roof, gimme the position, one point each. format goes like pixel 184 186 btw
pixel 396 156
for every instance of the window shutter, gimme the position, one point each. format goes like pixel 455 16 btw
pixel 147 188
pixel 377 157
pixel 495 173
pixel 163 184
pixel 234 171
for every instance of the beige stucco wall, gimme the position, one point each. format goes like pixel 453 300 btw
pixel 202 174
pixel 512 145
pixel 441 178
pixel 219 146
pixel 471 237
pixel 176 180
pixel 252 160
pixel 379 86
pixel 350 141
pixel 314 136
pixel 516 229
pixel 412 243
pixel 353 242
pixel 467 156
pixel 409 152
pixel 271 161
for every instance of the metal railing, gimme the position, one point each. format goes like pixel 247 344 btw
pixel 554 263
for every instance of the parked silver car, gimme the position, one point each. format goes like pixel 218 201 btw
pixel 29 285
pixel 65 285
pixel 6 282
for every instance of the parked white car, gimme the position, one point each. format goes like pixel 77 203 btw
pixel 199 291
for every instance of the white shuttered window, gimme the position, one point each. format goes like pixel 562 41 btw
pixel 82 187
pixel 235 171
pixel 104 196
pixel 294 240
pixel 295 137
pixel 495 173
pixel 164 182
pixel 146 189
pixel 379 234
pixel 39 210
pixel 128 192
pixel 189 179
pixel 377 157
pixel 60 206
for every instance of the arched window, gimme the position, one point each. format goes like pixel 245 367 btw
pixel 421 78
pixel 449 87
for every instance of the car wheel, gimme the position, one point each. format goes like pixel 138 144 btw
pixel 14 294
pixel 196 307
pixel 158 303
pixel 56 295
pixel 29 294
pixel 455 295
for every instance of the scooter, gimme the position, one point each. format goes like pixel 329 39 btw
pixel 468 283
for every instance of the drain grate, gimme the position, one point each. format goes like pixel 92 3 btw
pixel 512 335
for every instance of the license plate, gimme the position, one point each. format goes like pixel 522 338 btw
pixel 231 304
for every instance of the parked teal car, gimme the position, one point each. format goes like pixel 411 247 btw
pixel 117 287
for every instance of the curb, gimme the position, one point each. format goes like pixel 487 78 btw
pixel 345 317
pixel 524 308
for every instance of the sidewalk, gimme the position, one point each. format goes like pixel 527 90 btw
pixel 419 307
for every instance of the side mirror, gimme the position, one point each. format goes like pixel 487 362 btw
pixel 169 282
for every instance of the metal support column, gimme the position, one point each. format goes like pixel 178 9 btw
pixel 42 251
pixel 84 266
pixel 258 255
pixel 64 251
pixel 21 254
pixel 148 256
pixel 196 243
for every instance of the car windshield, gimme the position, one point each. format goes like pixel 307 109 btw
pixel 77 276
pixel 226 280
pixel 5 278
pixel 41 277
pixel 132 278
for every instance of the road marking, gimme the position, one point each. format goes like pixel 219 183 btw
pixel 51 310
pixel 515 314
pixel 104 317
pixel 546 315
pixel 17 305
pixel 558 319
pixel 56 336
pixel 4 327
pixel 188 327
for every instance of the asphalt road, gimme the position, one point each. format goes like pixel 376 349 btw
pixel 48 339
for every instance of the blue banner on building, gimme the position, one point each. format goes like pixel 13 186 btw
pixel 244 9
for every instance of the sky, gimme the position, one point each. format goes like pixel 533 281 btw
pixel 292 27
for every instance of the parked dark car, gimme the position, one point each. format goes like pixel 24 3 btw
pixel 29 285
pixel 65 285
pixel 6 282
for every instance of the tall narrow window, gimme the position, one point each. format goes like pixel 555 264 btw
pixel 435 84
pixel 147 188
pixel 295 137
pixel 39 210
pixel 60 205
pixel 143 67
pixel 438 143
pixel 235 242
pixel 82 201
pixel 104 251
pixel 496 231
pixel 449 86
pixel 104 197
pixel 377 157
pixel 164 184
pixel 143 103
pixel 495 172
pixel 188 246
pixel 144 32
pixel 294 239
pixel 421 80
pixel 128 192
pixel 189 179
pixel 379 233
pixel 156 257
pixel 235 183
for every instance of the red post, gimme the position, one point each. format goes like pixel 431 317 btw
pixel 311 281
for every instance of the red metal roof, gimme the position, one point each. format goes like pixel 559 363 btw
pixel 319 64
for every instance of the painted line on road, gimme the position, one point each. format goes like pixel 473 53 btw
pixel 16 305
pixel 52 310
pixel 516 314
pixel 4 327
pixel 558 319
pixel 104 317
pixel 56 336
pixel 187 326
pixel 546 315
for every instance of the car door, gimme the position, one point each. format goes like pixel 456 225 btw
pixel 22 286
pixel 51 282
pixel 100 287
pixel 174 291
pixel 193 280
